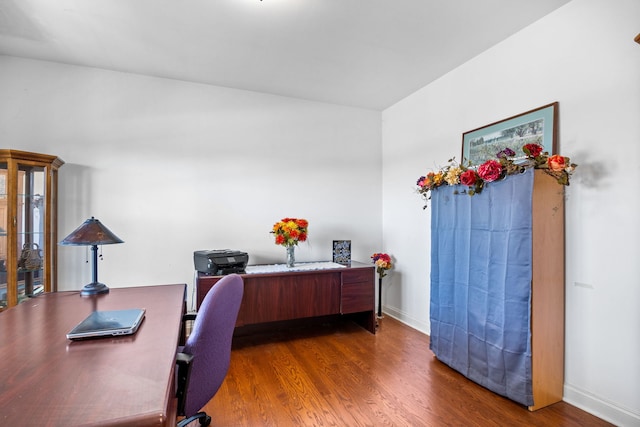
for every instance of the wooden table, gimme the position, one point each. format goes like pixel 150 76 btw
pixel 48 380
pixel 291 295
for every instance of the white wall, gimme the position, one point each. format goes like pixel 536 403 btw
pixel 583 56
pixel 172 167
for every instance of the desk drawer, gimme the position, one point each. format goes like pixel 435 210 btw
pixel 359 275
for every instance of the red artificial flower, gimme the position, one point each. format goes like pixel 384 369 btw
pixel 532 150
pixel 468 178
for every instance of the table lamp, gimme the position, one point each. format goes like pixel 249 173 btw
pixel 92 233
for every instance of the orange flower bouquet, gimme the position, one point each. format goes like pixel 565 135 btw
pixel 290 231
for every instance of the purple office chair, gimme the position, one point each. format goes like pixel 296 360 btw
pixel 204 360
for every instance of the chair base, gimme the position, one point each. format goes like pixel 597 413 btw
pixel 204 419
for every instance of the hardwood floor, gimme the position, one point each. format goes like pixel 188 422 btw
pixel 338 374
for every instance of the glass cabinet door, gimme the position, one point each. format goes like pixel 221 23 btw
pixel 3 235
pixel 30 230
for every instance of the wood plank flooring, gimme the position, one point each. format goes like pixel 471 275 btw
pixel 338 374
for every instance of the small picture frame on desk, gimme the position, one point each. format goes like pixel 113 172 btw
pixel 342 252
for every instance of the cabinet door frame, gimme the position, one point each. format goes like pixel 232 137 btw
pixel 17 162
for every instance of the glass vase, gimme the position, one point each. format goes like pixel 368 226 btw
pixel 291 256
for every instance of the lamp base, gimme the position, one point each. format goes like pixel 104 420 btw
pixel 94 288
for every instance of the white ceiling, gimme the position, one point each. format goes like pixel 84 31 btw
pixel 363 53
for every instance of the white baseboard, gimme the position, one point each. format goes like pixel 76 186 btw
pixel 601 408
pixel 407 320
pixel 582 399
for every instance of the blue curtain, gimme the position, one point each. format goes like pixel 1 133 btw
pixel 481 249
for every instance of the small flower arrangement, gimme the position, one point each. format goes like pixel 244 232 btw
pixel 382 262
pixel 290 231
pixel 558 166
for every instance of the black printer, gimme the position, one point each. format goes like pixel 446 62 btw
pixel 220 261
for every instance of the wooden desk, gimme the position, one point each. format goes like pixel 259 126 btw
pixel 288 295
pixel 48 380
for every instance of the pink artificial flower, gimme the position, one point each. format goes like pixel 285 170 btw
pixel 490 170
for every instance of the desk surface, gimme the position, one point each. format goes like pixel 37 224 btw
pixel 47 380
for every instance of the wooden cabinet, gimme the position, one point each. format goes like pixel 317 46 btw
pixel 497 286
pixel 28 224
pixel 547 291
pixel 290 295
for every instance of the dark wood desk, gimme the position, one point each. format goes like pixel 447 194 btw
pixel 47 380
pixel 289 295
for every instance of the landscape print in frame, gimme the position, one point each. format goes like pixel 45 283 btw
pixel 538 126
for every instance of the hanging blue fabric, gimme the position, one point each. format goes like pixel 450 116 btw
pixel 481 250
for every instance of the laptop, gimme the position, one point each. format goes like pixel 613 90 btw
pixel 108 323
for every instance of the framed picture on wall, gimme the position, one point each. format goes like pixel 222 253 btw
pixel 342 252
pixel 538 126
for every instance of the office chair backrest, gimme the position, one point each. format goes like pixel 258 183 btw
pixel 210 341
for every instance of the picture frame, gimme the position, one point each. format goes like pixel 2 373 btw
pixel 538 126
pixel 342 252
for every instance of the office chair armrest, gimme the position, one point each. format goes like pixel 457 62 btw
pixel 183 361
pixel 184 333
pixel 189 316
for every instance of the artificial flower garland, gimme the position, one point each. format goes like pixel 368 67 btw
pixel 290 231
pixel 560 167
